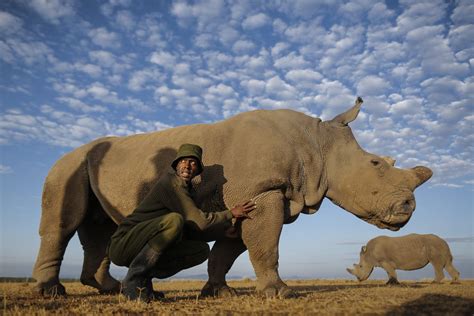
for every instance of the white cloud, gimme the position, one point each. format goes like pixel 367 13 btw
pixel 280 90
pixel 255 21
pixel 420 14
pixel 104 58
pixel 78 105
pixel 463 13
pixel 53 10
pixel 125 19
pixel 103 38
pixel 254 87
pixel 33 52
pixel 242 46
pixel 303 75
pixel 9 23
pixel 5 169
pixel 228 35
pixel 291 61
pixel 372 85
pixel 407 106
pixel 163 59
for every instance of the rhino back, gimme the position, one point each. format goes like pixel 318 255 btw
pixel 245 155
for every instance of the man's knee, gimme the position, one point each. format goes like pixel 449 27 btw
pixel 173 221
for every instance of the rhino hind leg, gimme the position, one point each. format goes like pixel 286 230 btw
pixel 438 269
pixel 222 256
pixel 261 235
pixel 453 273
pixel 64 206
pixel 94 234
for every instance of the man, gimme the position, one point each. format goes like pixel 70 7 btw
pixel 150 240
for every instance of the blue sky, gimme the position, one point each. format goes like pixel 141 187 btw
pixel 73 71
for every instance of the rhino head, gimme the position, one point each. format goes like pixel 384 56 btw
pixel 367 185
pixel 364 268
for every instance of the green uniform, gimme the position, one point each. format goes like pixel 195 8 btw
pixel 159 221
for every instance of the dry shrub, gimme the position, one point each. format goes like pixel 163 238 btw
pixel 328 297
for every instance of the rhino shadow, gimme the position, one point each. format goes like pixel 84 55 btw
pixel 435 304
pixel 161 162
pixel 208 186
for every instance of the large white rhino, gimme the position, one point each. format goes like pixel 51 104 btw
pixel 286 161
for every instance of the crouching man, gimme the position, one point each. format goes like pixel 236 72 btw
pixel 150 241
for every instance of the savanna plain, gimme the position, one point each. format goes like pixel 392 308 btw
pixel 313 297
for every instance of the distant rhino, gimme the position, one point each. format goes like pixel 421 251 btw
pixel 410 252
pixel 286 161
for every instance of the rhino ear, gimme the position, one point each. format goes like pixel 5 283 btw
pixel 363 249
pixel 350 115
pixel 389 160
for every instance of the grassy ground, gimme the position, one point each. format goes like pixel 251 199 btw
pixel 327 297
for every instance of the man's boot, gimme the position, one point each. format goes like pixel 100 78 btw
pixel 137 283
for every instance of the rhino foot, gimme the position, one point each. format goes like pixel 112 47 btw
pixel 52 290
pixel 214 290
pixel 280 292
pixel 393 281
pixel 112 286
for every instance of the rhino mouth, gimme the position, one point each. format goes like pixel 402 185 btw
pixel 399 214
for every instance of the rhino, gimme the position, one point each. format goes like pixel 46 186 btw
pixel 410 252
pixel 284 160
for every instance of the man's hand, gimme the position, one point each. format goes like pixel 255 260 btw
pixel 242 210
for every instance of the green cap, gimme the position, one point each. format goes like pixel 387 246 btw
pixel 189 150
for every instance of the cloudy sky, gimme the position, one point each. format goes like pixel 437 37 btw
pixel 73 71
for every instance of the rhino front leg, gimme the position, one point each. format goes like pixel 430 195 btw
pixel 94 235
pixel 261 235
pixel 222 257
pixel 391 273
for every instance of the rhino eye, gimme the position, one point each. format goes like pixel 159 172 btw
pixel 375 162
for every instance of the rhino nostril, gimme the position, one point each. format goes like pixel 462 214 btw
pixel 408 205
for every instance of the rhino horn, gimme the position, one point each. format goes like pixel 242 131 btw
pixel 422 173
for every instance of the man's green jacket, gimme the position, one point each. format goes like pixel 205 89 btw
pixel 172 194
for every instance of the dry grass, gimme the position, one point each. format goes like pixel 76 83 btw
pixel 328 297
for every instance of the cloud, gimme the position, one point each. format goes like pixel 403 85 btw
pixel 81 106
pixel 16 50
pixel 164 59
pixel 256 21
pixel 9 23
pixel 103 38
pixel 279 89
pixel 5 169
pixel 291 61
pixel 372 85
pixel 409 106
pixel 243 46
pixel 64 129
pixel 53 11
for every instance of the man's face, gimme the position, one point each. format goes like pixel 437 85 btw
pixel 187 168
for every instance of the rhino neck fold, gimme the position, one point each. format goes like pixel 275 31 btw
pixel 315 186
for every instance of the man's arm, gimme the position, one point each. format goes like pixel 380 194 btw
pixel 179 199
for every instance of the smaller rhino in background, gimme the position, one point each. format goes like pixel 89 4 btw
pixel 410 252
